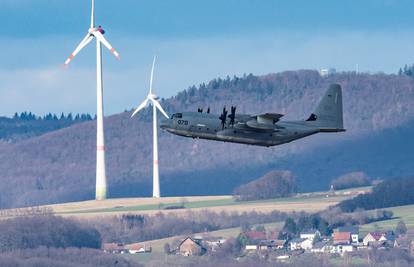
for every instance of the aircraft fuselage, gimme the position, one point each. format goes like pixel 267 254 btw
pixel 209 126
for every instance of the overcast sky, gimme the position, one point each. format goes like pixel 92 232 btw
pixel 195 41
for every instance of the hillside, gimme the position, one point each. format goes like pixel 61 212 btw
pixel 60 166
pixel 27 125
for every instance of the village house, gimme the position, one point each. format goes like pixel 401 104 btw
pixel 403 243
pixel 191 247
pixel 310 234
pixel 115 248
pixel 342 248
pixel 322 247
pixel 138 248
pixel 300 243
pixel 272 244
pixel 214 243
pixel 341 238
pixel 375 237
pixel 353 230
pixel 254 235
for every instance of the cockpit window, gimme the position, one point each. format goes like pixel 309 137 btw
pixel 177 115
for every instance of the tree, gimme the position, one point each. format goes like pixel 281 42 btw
pixel 260 228
pixel 289 230
pixel 274 184
pixel 349 180
pixel 401 228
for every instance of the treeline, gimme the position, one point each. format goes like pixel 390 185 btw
pixel 350 180
pixel 137 228
pixel 29 116
pixel 390 193
pixel 46 230
pixel 274 184
pixel 26 124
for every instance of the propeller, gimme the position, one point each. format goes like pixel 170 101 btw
pixel 223 117
pixel 232 115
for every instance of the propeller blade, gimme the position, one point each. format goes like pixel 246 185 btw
pixel 141 106
pixel 152 73
pixel 85 41
pixel 102 39
pixel 157 105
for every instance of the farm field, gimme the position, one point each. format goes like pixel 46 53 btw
pixel 310 202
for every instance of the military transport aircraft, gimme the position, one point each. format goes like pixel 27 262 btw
pixel 261 130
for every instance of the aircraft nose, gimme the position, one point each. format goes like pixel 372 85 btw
pixel 165 123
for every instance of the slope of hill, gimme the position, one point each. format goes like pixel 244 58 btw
pixel 60 165
pixel 27 125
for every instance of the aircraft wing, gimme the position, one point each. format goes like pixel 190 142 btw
pixel 269 117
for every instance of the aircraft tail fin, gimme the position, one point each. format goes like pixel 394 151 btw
pixel 328 116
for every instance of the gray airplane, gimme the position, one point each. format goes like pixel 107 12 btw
pixel 261 130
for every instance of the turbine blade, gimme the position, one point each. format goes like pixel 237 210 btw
pixel 141 106
pixel 152 73
pixel 102 39
pixel 93 14
pixel 88 38
pixel 157 105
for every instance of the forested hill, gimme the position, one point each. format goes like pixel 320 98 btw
pixel 60 165
pixel 26 124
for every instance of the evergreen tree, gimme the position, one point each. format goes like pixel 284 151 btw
pixel 401 228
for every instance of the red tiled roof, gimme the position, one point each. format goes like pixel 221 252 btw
pixel 255 235
pixel 338 236
pixel 134 246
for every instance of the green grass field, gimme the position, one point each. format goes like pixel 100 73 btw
pixel 311 202
pixel 405 213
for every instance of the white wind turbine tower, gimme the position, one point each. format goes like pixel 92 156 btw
pixel 97 32
pixel 153 100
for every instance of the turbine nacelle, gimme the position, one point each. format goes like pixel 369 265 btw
pixel 153 96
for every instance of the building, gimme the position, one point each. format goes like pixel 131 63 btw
pixel 341 238
pixel 300 243
pixel 113 248
pixel 403 243
pixel 310 234
pixel 342 248
pixel 375 237
pixel 251 247
pixel 327 72
pixel 191 247
pixel 322 247
pixel 213 243
pixel 353 230
pixel 138 248
pixel 272 244
pixel 255 235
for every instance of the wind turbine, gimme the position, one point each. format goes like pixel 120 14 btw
pixel 152 99
pixel 97 32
